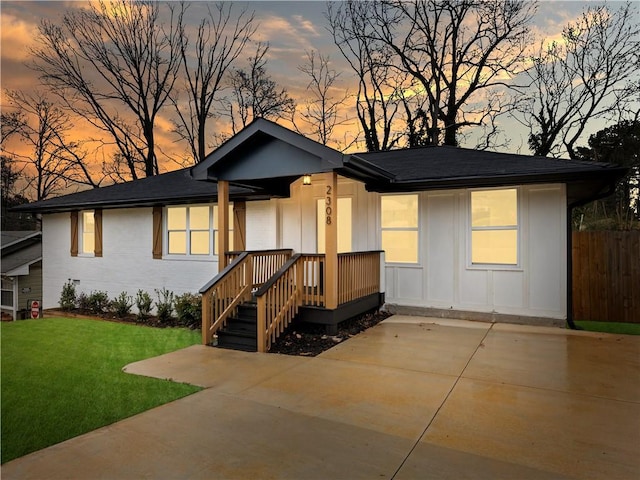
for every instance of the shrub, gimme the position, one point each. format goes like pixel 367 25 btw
pixel 121 305
pixel 83 302
pixel 143 303
pixel 68 296
pixel 164 305
pixel 98 302
pixel 189 309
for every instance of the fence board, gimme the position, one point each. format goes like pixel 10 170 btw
pixel 606 276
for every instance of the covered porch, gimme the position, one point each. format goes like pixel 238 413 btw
pixel 265 290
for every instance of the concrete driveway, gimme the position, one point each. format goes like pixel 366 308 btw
pixel 410 398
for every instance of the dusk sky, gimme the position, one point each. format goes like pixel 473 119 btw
pixel 291 28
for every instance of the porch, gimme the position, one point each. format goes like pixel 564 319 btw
pixel 259 293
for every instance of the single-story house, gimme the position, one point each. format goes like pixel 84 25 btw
pixel 310 231
pixel 21 272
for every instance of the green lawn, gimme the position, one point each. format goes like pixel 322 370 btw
pixel 610 327
pixel 63 377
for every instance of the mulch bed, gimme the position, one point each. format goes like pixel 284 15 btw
pixel 309 340
pixel 302 339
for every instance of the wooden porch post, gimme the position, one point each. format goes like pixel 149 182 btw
pixel 331 240
pixel 223 223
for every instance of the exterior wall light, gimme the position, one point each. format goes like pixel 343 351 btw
pixel 306 179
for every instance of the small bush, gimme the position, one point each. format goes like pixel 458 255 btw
pixel 143 303
pixel 164 305
pixel 121 305
pixel 98 302
pixel 83 302
pixel 68 296
pixel 189 309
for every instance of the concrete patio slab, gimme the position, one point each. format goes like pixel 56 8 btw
pixel 409 398
pixel 411 343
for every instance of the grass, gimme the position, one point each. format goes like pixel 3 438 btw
pixel 610 327
pixel 63 377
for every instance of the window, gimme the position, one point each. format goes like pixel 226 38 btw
pixel 88 242
pixel 399 222
pixel 192 230
pixel 7 292
pixel 494 227
pixel 344 224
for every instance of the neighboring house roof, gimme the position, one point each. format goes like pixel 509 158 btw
pixel 19 250
pixel 264 158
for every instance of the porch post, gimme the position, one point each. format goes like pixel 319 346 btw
pixel 223 223
pixel 331 240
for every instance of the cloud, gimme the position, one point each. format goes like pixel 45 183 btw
pixel 16 35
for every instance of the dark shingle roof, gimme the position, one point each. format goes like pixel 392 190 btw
pixel 20 249
pixel 168 188
pixel 447 163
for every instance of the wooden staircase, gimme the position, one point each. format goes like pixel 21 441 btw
pixel 241 330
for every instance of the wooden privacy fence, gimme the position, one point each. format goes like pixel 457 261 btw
pixel 606 276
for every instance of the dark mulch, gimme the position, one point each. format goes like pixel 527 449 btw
pixel 310 340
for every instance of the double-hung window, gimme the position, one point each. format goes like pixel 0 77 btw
pixel 399 223
pixel 494 227
pixel 192 230
pixel 88 233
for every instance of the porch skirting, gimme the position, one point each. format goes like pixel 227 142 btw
pixel 331 318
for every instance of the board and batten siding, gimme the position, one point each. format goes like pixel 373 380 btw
pixel 127 262
pixel 445 279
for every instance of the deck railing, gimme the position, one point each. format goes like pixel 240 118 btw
pixel 278 301
pixel 281 284
pixel 358 275
pixel 233 285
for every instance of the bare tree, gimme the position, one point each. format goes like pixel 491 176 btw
pixel 254 94
pixel 219 41
pixel 593 73
pixel 458 51
pixel 115 64
pixel 380 84
pixel 49 161
pixel 321 111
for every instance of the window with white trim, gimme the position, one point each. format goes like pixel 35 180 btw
pixel 88 237
pixel 399 224
pixel 192 230
pixel 494 227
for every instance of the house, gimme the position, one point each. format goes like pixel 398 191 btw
pixel 21 272
pixel 310 231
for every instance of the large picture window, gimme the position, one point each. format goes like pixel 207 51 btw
pixel 192 230
pixel 399 222
pixel 494 227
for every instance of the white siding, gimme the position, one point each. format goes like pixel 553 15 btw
pixel 127 263
pixel 537 287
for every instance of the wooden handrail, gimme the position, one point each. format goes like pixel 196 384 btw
pixel 278 302
pixel 358 275
pixel 234 284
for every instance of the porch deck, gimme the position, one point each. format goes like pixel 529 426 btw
pixel 289 286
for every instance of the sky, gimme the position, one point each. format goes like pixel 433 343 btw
pixel 290 27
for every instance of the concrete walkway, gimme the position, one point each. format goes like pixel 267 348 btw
pixel 407 399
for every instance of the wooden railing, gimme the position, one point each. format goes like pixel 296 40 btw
pixel 313 279
pixel 358 275
pixel 278 301
pixel 245 272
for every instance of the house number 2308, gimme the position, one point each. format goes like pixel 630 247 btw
pixel 328 210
